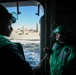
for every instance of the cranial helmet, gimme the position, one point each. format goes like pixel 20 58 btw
pixel 4 12
pixel 61 29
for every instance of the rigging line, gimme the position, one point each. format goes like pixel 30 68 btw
pixel 40 61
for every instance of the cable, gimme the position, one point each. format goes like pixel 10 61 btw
pixel 40 61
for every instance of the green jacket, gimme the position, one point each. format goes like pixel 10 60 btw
pixel 12 59
pixel 4 41
pixel 62 61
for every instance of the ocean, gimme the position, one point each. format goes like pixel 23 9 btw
pixel 31 51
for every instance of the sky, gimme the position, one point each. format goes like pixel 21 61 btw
pixel 27 18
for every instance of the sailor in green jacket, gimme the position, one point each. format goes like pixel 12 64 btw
pixel 12 60
pixel 63 57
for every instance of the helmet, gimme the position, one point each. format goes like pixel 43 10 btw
pixel 61 29
pixel 4 12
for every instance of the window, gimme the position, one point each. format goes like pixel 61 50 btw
pixel 27 31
